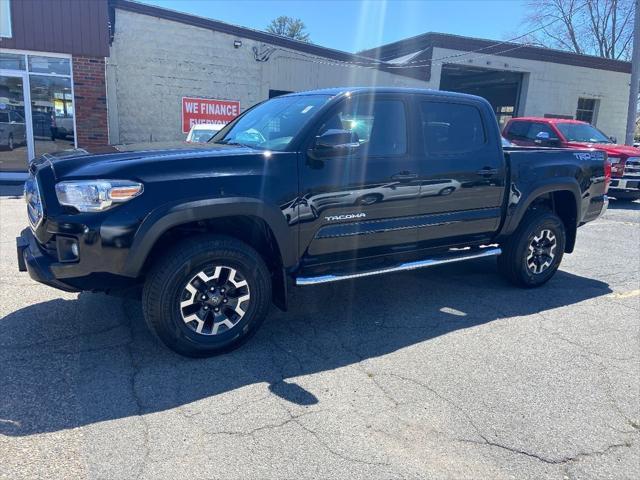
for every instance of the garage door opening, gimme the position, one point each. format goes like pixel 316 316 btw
pixel 500 88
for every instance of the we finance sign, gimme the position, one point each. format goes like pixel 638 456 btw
pixel 205 110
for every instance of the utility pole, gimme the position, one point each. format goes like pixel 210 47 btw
pixel 635 78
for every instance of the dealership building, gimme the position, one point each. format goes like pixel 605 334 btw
pixel 101 72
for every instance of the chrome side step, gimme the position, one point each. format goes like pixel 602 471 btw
pixel 430 262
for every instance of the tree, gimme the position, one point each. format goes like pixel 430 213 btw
pixel 289 27
pixel 593 27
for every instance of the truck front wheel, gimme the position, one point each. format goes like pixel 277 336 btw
pixel 207 295
pixel 531 256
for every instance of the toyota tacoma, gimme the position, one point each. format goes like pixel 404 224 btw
pixel 303 189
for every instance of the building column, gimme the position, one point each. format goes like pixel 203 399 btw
pixel 90 101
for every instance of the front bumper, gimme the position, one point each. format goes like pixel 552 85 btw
pixel 31 259
pixel 625 184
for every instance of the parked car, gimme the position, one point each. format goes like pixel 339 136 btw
pixel 13 130
pixel 553 132
pixel 61 126
pixel 203 132
pixel 210 235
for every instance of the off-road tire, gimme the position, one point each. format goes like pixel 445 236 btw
pixel 513 262
pixel 166 281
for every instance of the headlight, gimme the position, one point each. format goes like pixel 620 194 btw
pixel 96 195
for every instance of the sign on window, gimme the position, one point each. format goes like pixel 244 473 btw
pixel 203 110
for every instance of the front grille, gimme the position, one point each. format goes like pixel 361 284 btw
pixel 632 167
pixel 32 196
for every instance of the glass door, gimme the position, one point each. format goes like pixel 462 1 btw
pixel 14 131
pixel 36 109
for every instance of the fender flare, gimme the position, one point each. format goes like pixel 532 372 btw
pixel 172 215
pixel 548 186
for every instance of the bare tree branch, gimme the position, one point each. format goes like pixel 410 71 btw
pixel 593 27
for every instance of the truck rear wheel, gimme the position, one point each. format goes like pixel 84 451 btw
pixel 531 256
pixel 207 295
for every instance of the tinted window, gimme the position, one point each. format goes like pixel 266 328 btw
pixel 518 130
pixel 451 128
pixel 536 128
pixel 4 117
pixel 529 130
pixel 380 125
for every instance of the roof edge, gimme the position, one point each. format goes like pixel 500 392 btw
pixel 492 47
pixel 231 29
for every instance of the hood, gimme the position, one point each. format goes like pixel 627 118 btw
pixel 611 148
pixel 106 161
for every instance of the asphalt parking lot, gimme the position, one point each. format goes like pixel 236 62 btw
pixel 440 373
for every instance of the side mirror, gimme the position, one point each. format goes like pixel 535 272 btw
pixel 546 140
pixel 613 139
pixel 335 142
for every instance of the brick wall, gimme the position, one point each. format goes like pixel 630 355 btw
pixel 90 101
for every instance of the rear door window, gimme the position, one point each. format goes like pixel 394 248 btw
pixel 451 128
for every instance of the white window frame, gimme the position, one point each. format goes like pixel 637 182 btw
pixel 26 85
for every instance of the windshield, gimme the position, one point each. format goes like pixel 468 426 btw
pixel 273 124
pixel 582 132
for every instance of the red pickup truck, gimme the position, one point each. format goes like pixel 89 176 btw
pixel 557 132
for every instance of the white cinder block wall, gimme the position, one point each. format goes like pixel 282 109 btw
pixel 155 62
pixel 555 88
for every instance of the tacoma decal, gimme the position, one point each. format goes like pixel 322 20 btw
pixel 346 216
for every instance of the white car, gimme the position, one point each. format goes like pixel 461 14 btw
pixel 310 207
pixel 203 132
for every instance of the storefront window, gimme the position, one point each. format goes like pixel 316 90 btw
pixel 46 123
pixel 13 131
pixel 59 66
pixel 52 114
pixel 11 61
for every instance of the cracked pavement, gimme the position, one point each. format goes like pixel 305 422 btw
pixel 443 373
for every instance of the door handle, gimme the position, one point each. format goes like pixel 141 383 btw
pixel 404 176
pixel 487 172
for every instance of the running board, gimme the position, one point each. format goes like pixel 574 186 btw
pixel 430 262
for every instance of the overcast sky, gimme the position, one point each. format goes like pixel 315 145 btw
pixel 356 25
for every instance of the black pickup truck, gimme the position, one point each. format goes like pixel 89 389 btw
pixel 304 189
